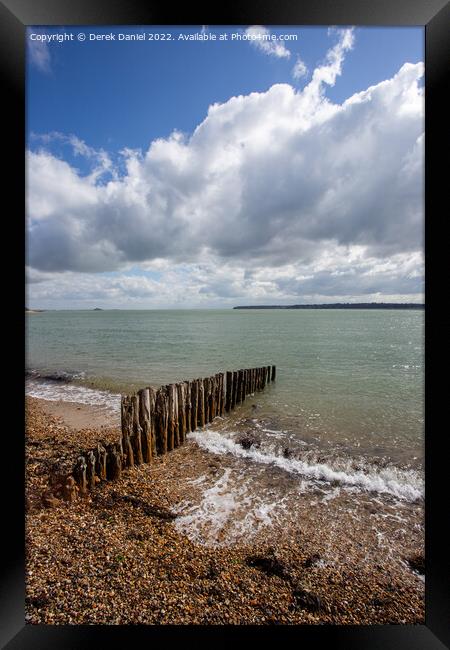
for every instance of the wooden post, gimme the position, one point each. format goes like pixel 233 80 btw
pixel 90 470
pixel 263 375
pixel 274 370
pixel 144 420
pixel 136 441
pixel 214 393
pixel 127 426
pixel 207 398
pixel 221 394
pixel 234 393
pixel 194 404
pixel 244 379
pixel 172 436
pixel 201 404
pixel 113 463
pixel 188 406
pixel 162 419
pixel 152 399
pixel 229 391
pixel 181 388
pixel 238 387
pixel 100 464
pixel 79 474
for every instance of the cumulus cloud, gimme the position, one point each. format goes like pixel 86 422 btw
pixel 260 37
pixel 271 180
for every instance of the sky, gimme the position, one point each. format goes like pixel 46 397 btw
pixel 208 167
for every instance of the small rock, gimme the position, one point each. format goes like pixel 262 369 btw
pixel 248 440
pixel 307 600
pixel 417 563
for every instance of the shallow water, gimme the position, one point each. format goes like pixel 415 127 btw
pixel 348 382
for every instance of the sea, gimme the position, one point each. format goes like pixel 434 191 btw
pixel 344 418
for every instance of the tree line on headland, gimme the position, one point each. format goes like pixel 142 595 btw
pixel 341 305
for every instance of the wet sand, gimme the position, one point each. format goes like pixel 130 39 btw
pixel 184 540
pixel 80 416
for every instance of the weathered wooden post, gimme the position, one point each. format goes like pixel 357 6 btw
pixel 229 391
pixel 238 387
pixel 172 439
pixel 100 462
pixel 136 441
pixel 152 422
pixel 90 470
pixel 210 397
pixel 127 427
pixel 79 474
pixel 162 419
pixel 234 393
pixel 181 388
pixel 274 370
pixel 194 404
pixel 188 406
pixel 213 397
pixel 144 421
pixel 114 462
pixel 201 404
pixel 221 394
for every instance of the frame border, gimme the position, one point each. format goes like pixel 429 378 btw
pixel 434 16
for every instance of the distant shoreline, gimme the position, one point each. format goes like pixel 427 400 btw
pixel 340 305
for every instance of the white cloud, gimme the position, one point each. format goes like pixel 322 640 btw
pixel 262 39
pixel 279 193
pixel 299 70
pixel 39 55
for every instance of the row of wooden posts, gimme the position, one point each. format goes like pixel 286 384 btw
pixel 155 421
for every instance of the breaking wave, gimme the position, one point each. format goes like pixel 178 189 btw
pixel 404 484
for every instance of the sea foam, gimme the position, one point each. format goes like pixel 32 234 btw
pixel 403 484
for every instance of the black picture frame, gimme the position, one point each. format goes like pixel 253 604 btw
pixel 434 15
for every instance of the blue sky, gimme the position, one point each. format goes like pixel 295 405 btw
pixel 89 103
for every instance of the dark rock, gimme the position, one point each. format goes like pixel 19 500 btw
pixel 248 439
pixel 307 600
pixel 214 571
pixel 311 560
pixel 39 601
pixel 417 563
pixel 380 602
pixel 269 564
pixel 287 453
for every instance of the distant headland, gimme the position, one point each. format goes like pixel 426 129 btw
pixel 342 305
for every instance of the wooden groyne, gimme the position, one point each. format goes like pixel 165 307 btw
pixel 155 421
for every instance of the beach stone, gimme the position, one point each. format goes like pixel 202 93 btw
pixel 311 560
pixel 248 440
pixel 417 563
pixel 270 564
pixel 49 500
pixel 307 600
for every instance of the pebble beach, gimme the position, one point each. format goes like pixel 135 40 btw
pixel 128 553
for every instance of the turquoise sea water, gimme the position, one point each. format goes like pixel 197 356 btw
pixel 348 382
